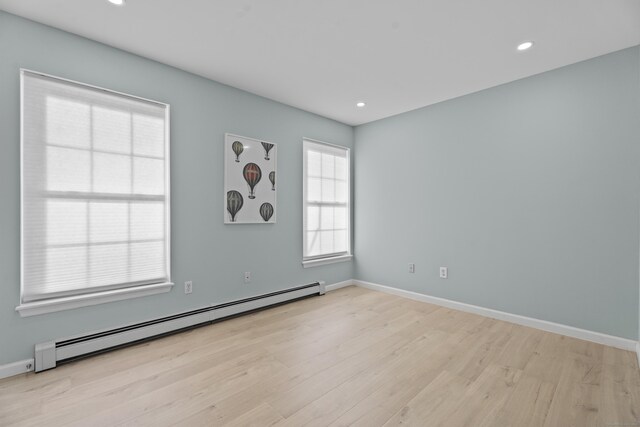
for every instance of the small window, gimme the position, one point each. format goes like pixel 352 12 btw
pixel 326 203
pixel 95 190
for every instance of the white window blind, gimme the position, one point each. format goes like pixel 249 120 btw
pixel 326 210
pixel 95 194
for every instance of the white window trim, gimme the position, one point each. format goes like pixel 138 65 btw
pixel 51 305
pixel 67 303
pixel 325 261
pixel 316 261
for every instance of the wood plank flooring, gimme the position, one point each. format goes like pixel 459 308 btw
pixel 352 357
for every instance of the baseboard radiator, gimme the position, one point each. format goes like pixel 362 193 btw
pixel 49 354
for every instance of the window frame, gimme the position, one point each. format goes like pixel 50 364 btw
pixel 72 299
pixel 324 259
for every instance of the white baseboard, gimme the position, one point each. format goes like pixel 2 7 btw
pixel 556 328
pixel 16 368
pixel 24 366
pixel 339 285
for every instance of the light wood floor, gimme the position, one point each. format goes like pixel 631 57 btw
pixel 352 357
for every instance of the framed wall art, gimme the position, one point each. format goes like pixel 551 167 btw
pixel 250 180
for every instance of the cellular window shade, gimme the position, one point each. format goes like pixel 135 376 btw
pixel 326 217
pixel 95 207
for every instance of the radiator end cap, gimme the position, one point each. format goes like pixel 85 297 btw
pixel 323 287
pixel 45 356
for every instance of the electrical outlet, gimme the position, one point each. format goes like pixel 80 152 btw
pixel 188 287
pixel 444 272
pixel 412 268
pixel 247 277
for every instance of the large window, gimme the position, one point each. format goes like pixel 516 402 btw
pixel 326 205
pixel 95 194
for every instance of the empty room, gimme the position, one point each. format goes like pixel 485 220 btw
pixel 320 213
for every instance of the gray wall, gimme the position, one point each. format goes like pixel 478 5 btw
pixel 528 192
pixel 214 256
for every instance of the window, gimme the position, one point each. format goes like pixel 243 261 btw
pixel 326 204
pixel 95 195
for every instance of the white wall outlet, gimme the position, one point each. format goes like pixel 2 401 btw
pixel 247 277
pixel 444 272
pixel 412 268
pixel 188 287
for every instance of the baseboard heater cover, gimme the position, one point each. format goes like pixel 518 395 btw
pixel 49 354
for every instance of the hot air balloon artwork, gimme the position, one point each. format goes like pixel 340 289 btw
pixel 237 148
pixel 267 147
pixel 266 211
pixel 234 203
pixel 250 191
pixel 252 174
pixel 272 178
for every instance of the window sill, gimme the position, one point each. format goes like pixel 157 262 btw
pixel 324 261
pixel 67 303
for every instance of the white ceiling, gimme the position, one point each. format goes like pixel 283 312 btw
pixel 325 55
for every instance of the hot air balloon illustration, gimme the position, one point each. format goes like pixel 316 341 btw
pixel 252 174
pixel 237 148
pixel 234 203
pixel 267 147
pixel 266 211
pixel 272 178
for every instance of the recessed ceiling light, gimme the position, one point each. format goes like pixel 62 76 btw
pixel 360 104
pixel 117 2
pixel 525 45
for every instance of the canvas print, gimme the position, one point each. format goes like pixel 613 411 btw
pixel 249 180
